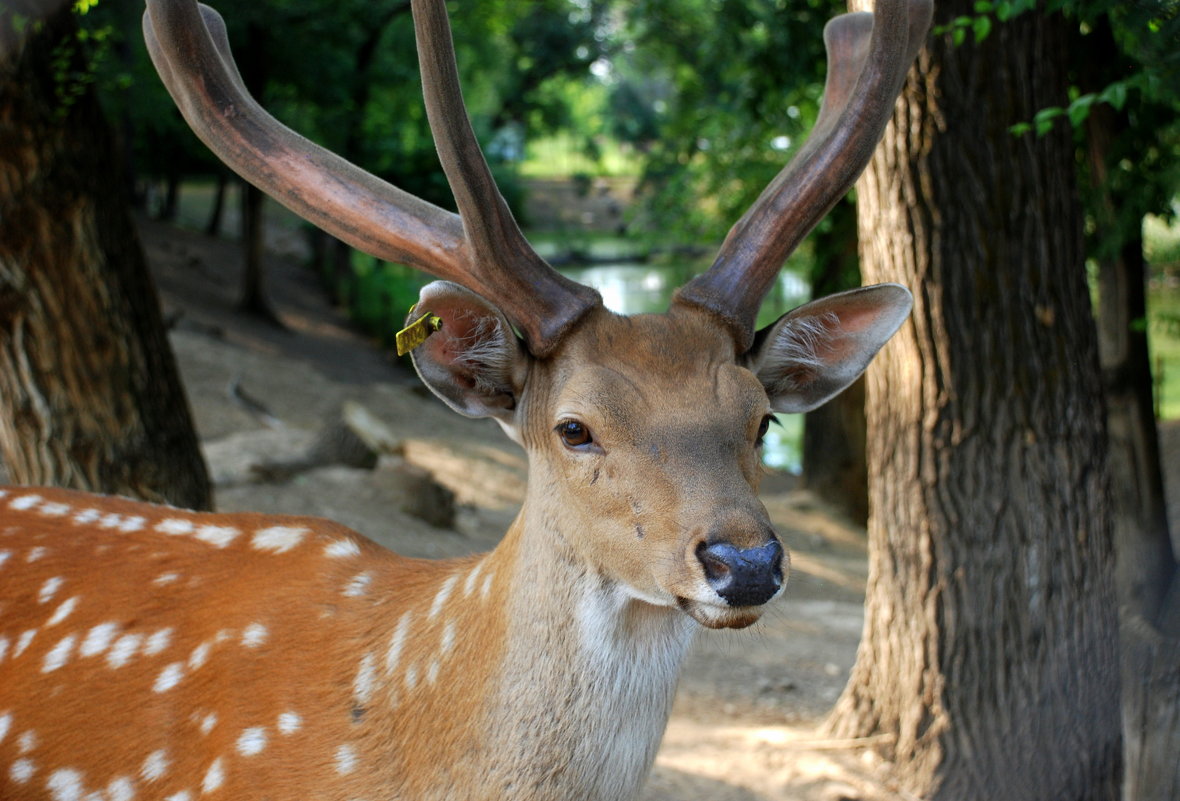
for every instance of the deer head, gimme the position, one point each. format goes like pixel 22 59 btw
pixel 643 433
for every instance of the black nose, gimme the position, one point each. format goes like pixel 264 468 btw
pixel 743 576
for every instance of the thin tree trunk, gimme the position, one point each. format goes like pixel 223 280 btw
pixel 217 210
pixel 990 648
pixel 90 396
pixel 834 463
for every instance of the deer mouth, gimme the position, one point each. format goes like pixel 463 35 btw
pixel 717 616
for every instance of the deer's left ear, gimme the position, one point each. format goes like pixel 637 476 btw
pixel 474 361
pixel 813 352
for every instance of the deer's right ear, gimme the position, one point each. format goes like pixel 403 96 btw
pixel 813 352
pixel 473 361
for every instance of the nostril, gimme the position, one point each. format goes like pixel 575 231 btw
pixel 717 569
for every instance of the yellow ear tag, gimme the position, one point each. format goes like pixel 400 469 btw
pixel 416 333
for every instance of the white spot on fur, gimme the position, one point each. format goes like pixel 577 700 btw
pixel 3 648
pixel 175 526
pixel 22 642
pixel 169 677
pixel 345 760
pixel 278 539
pixel 24 502
pixel 54 509
pixel 131 524
pixel 214 777
pixel 98 638
pixel 158 642
pixel 472 577
pixel 432 672
pixel 199 656
pixel 487 586
pixel 289 723
pixel 66 785
pixel 63 611
pixel 121 789
pixel 208 722
pixel 444 592
pixel 87 516
pixel 155 766
pixel 217 536
pixel 110 521
pixel 254 635
pixel 123 649
pixel 252 741
pixel 5 725
pixel 183 795
pixel 411 677
pixel 59 654
pixel 165 578
pixel 358 585
pixel 26 742
pixel 366 680
pixel 49 589
pixel 397 643
pixel 36 553
pixel 448 637
pixel 4 557
pixel 22 770
pixel 340 549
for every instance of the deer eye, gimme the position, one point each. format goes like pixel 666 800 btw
pixel 763 427
pixel 574 434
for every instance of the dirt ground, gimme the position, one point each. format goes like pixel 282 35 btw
pixel 744 726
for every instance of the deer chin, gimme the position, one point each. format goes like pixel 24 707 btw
pixel 716 616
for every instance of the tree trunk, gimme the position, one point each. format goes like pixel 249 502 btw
pixel 90 396
pixel 990 650
pixel 217 210
pixel 834 463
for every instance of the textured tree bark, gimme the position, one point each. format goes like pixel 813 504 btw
pixel 990 642
pixel 90 396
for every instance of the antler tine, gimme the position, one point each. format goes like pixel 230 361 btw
pixel 527 289
pixel 868 55
pixel 190 49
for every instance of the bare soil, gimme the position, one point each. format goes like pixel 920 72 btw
pixel 745 724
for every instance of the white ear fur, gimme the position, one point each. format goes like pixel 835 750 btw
pixel 815 351
pixel 474 362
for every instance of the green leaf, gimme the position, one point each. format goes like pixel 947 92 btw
pixel 958 36
pixel 1020 128
pixel 981 26
pixel 1079 109
pixel 1115 94
pixel 983 6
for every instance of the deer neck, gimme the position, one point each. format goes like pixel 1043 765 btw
pixel 603 691
pixel 525 673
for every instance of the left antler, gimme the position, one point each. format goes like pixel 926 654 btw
pixel 482 249
pixel 868 57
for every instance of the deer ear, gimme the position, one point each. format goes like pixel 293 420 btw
pixel 474 361
pixel 813 352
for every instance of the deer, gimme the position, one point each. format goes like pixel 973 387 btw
pixel 150 652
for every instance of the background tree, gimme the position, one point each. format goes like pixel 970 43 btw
pixel 990 650
pixel 89 392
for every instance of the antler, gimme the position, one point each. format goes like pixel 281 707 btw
pixel 868 57
pixel 483 249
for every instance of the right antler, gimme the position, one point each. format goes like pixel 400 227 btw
pixel 481 248
pixel 868 58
